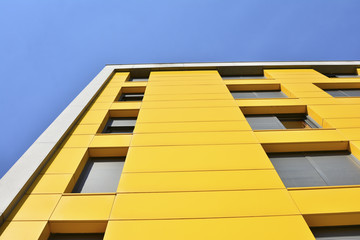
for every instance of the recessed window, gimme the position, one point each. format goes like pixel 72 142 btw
pixel 83 236
pixel 343 92
pixel 127 97
pixel 281 121
pixel 258 94
pixel 310 169
pixel 120 125
pixel 342 75
pixel 336 232
pixel 243 77
pixel 100 175
pixel 133 79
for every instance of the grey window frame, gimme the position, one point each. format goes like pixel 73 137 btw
pixel 124 125
pixel 312 169
pixel 336 232
pixel 258 94
pixel 131 97
pixel 342 92
pixel 276 120
pixel 86 183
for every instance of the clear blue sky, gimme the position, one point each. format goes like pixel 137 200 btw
pixel 50 50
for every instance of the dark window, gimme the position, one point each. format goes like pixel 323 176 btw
pixel 343 92
pixel 84 236
pixel 309 169
pixel 131 97
pixel 243 77
pixel 120 125
pixel 336 233
pixel 342 75
pixel 100 175
pixel 258 94
pixel 281 121
pixel 138 79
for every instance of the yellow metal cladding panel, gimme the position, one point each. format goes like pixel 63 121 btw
pixel 342 123
pixel 119 76
pixel 51 183
pixel 105 99
pixel 110 91
pixel 188 104
pixel 310 95
pixel 85 129
pixel 35 207
pixel 336 200
pixel 78 141
pixel 186 82
pixel 136 84
pixel 83 207
pixel 165 74
pixel 202 204
pixel 125 105
pixel 254 84
pixel 94 117
pixel 194 89
pixel 301 87
pixel 192 138
pixel 337 111
pixel 66 160
pixel 299 136
pixel 199 181
pixel 25 230
pixel 355 148
pixel 279 228
pixel 351 133
pixel 192 127
pixel 180 97
pixel 111 140
pixel 190 114
pixel 192 158
pixel 100 106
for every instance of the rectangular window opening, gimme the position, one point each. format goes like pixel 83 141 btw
pixel 258 94
pixel 100 175
pixel 77 236
pixel 312 169
pixel 120 125
pixel 281 121
pixel 127 97
pixel 336 232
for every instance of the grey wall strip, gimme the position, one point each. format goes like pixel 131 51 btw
pixel 15 182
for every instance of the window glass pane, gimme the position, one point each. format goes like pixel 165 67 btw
pixel 352 92
pixel 238 95
pixel 100 175
pixel 294 124
pixel 264 122
pixel 94 236
pixel 335 93
pixel 131 97
pixel 295 170
pixel 123 122
pixel 138 79
pixel 337 168
pixel 270 94
pixel 337 233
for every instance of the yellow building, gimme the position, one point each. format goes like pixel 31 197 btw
pixel 261 150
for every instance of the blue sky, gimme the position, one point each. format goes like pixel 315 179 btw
pixel 50 50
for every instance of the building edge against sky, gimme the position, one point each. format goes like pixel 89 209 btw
pixel 199 85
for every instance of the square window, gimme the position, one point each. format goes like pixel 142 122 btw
pixel 258 94
pixel 100 175
pixel 310 169
pixel 281 121
pixel 120 125
pixel 82 236
pixel 127 97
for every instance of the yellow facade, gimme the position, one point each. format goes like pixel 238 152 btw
pixel 194 168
